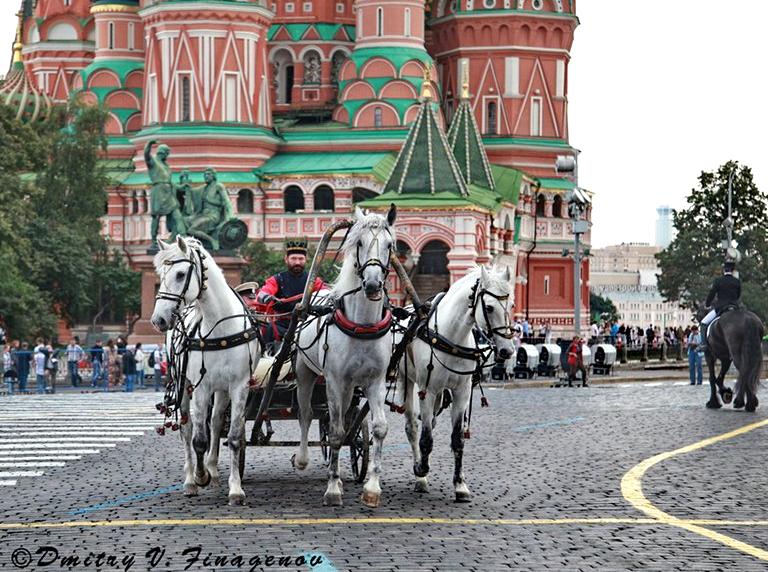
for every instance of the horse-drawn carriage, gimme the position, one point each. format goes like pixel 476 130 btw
pixel 342 359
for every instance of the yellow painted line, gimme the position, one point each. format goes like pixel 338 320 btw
pixel 366 521
pixel 632 489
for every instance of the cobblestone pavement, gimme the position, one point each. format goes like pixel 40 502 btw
pixel 545 467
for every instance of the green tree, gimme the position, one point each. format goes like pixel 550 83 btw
pixel 695 257
pixel 114 288
pixel 602 308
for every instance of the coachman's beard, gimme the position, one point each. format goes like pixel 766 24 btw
pixel 296 269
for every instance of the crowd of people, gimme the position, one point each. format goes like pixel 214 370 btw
pixel 113 365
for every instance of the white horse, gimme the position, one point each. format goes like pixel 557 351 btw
pixel 444 356
pixel 213 348
pixel 349 358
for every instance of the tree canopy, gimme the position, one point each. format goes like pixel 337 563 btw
pixel 696 255
pixel 52 251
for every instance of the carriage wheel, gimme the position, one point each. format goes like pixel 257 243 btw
pixel 324 426
pixel 359 451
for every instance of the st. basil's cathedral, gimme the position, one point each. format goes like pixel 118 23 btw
pixel 455 110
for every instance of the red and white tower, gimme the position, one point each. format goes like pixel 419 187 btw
pixel 206 91
pixel 58 42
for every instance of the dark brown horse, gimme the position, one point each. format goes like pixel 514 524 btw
pixel 735 338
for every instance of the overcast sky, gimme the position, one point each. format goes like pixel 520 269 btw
pixel 658 91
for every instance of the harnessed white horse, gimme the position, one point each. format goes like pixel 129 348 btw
pixel 213 348
pixel 351 349
pixel 445 355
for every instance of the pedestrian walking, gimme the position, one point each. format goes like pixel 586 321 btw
pixel 9 372
pixel 113 365
pixel 129 369
pixel 52 366
pixel 140 358
pixel 576 362
pixel 40 358
pixel 695 367
pixel 158 356
pixel 97 363
pixel 22 357
pixel 74 355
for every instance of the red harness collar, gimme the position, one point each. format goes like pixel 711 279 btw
pixel 363 330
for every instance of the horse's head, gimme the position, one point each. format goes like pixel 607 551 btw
pixel 182 279
pixel 370 243
pixel 490 303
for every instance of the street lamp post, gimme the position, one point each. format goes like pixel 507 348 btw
pixel 577 205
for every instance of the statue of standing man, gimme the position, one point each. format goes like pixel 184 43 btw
pixel 163 200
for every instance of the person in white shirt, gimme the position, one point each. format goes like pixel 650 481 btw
pixel 74 355
pixel 695 368
pixel 139 356
pixel 40 357
pixel 158 356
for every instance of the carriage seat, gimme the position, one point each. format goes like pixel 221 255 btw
pixel 264 368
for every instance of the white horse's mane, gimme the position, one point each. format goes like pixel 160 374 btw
pixel 347 279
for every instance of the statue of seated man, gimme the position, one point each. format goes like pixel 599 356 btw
pixel 206 208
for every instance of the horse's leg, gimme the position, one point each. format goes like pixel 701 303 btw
pixel 412 432
pixel 461 397
pixel 190 488
pixel 425 442
pixel 200 436
pixel 238 392
pixel 372 488
pixel 725 392
pixel 339 399
pixel 306 385
pixel 220 402
pixel 714 400
pixel 751 363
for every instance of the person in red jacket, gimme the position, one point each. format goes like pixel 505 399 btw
pixel 576 362
pixel 282 291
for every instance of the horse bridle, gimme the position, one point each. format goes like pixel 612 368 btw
pixel 198 269
pixel 371 261
pixel 478 296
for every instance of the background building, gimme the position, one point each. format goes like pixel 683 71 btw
pixel 665 231
pixel 626 274
pixel 303 108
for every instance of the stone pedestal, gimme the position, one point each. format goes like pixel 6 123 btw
pixel 143 332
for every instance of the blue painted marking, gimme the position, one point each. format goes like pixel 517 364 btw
pixel 324 566
pixel 124 500
pixel 547 424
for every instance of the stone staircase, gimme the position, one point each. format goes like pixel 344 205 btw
pixel 427 285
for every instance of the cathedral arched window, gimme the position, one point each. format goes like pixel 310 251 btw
pixel 557 207
pixel 379 21
pixel 185 99
pixel 434 258
pixel 541 206
pixel 245 201
pixel 323 198
pixel 293 199
pixel 377 116
pixel 491 118
pixel 111 35
pixel 338 59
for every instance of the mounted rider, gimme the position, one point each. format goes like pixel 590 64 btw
pixel 724 294
pixel 287 284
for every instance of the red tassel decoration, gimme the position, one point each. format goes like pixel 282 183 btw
pixel 484 401
pixel 184 419
pixel 160 430
pixel 466 434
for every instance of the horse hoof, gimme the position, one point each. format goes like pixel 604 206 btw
pixel 371 500
pixel 236 500
pixel 751 406
pixel 421 469
pixel 190 490
pixel 738 403
pixel 713 405
pixel 332 499
pixel 203 481
pixel 422 486
pixel 727 396
pixel 463 497
pixel 299 465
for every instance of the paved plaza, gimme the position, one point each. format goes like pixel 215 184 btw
pixel 563 479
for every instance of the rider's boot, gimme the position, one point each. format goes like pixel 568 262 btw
pixel 703 332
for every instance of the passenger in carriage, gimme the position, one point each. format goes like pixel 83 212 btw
pixel 287 284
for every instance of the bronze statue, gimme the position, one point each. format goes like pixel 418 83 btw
pixel 206 208
pixel 163 200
